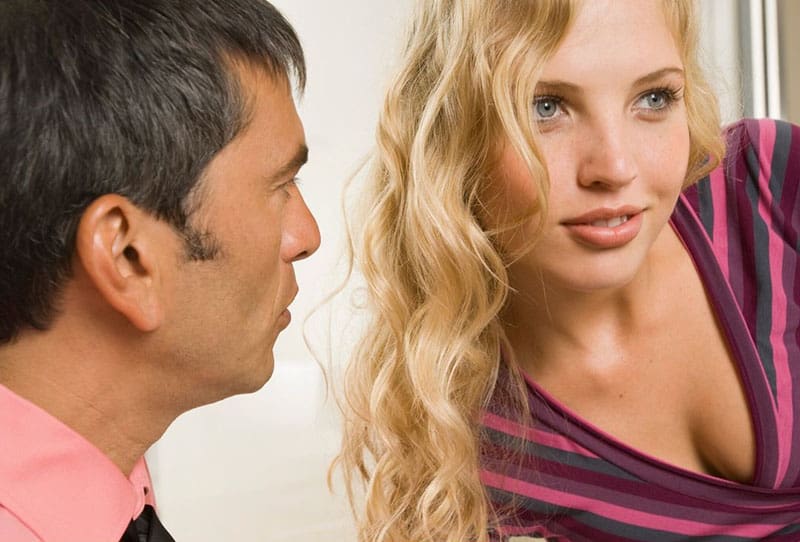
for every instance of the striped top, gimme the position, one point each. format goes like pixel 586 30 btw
pixel 571 481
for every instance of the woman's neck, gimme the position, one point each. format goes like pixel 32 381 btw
pixel 547 323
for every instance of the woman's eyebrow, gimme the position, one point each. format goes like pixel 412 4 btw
pixel 658 75
pixel 557 86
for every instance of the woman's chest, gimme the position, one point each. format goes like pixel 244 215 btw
pixel 676 393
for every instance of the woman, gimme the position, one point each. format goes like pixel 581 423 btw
pixel 585 319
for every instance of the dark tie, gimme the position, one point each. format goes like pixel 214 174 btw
pixel 146 528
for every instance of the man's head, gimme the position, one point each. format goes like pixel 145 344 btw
pixel 132 128
pixel 132 97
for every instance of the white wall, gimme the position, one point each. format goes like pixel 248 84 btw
pixel 253 468
pixel 721 46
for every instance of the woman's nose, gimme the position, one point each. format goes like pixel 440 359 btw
pixel 608 156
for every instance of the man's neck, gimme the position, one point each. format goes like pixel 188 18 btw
pixel 87 388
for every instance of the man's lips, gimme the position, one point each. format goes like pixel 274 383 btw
pixel 295 290
pixel 285 317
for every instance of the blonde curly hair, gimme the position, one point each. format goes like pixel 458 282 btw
pixel 428 362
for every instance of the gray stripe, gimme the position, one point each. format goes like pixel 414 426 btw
pixel 780 159
pixel 735 178
pixel 634 532
pixel 540 451
pixel 706 206
pixel 761 263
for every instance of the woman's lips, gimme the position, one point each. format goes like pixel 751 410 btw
pixel 606 228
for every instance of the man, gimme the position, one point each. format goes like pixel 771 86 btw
pixel 149 220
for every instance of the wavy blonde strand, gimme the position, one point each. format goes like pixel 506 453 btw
pixel 428 362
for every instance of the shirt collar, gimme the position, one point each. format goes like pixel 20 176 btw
pixel 57 482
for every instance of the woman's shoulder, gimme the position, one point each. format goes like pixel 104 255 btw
pixel 753 125
pixel 760 169
pixel 760 152
pixel 764 137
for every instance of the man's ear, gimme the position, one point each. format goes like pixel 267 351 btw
pixel 119 250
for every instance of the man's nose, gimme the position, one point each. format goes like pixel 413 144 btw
pixel 301 237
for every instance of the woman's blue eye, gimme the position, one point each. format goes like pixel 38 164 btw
pixel 657 100
pixel 546 108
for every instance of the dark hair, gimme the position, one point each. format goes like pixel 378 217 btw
pixel 132 97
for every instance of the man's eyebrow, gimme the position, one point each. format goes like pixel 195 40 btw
pixel 296 162
pixel 557 86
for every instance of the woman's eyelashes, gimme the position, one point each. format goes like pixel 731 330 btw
pixel 658 101
pixel 548 108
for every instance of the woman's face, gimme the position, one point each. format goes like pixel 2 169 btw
pixel 615 141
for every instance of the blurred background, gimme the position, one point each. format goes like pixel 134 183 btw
pixel 752 52
pixel 253 468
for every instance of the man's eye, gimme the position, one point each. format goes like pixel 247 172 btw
pixel 287 186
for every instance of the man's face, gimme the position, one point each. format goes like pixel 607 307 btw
pixel 228 311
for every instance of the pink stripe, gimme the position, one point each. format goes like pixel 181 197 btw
pixel 767 135
pixel 624 515
pixel 542 532
pixel 720 227
pixel 538 436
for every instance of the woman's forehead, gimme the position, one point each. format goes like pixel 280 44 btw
pixel 614 39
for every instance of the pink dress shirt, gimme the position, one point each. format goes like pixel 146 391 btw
pixel 55 486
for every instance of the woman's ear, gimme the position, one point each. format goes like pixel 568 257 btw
pixel 122 255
